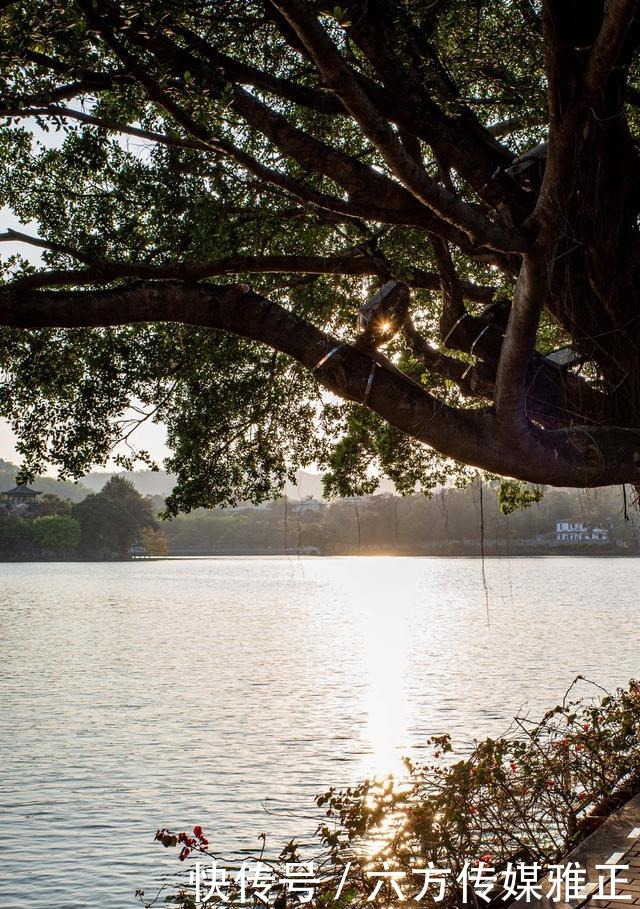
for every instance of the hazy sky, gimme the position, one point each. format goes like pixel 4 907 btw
pixel 149 436
pixel 7 447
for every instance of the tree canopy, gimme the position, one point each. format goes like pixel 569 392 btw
pixel 56 532
pixel 218 187
pixel 114 519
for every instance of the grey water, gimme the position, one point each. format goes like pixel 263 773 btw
pixel 230 692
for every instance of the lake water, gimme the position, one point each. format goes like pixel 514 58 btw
pixel 169 693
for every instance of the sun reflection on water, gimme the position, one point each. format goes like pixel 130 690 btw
pixel 385 634
pixel 384 628
pixel 387 725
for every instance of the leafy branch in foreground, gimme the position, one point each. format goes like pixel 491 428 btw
pixel 529 796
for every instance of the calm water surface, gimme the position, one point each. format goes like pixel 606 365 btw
pixel 176 692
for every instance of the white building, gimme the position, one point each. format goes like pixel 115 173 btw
pixel 579 532
pixel 306 506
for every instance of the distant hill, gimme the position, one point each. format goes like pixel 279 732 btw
pixel 160 483
pixel 150 483
pixel 147 482
pixel 74 491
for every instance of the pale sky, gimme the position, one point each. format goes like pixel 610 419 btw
pixel 149 436
pixel 7 443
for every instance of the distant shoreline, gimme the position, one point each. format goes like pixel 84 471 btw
pixel 490 553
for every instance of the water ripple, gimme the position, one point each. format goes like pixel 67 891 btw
pixel 176 692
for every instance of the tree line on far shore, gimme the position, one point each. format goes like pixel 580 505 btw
pixel 450 522
pixel 118 522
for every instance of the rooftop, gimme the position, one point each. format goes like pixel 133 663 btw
pixel 21 490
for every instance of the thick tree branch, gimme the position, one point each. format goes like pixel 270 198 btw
pixel 341 79
pixel 452 297
pixel 351 263
pixel 531 291
pixel 472 380
pixel 360 206
pixel 358 179
pixel 242 73
pixel 393 204
pixel 550 395
pixel 578 456
pixel 473 151
pixel 577 236
pixel 462 140
pixel 619 15
pixel 544 394
pixel 568 108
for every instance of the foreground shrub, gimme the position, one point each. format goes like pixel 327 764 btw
pixel 527 797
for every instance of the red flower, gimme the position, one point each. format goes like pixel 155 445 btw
pixel 198 831
pixel 513 766
pixel 184 854
pixel 486 858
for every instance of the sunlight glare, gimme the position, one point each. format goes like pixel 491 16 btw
pixel 386 643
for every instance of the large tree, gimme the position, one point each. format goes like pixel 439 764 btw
pixel 230 181
pixel 113 520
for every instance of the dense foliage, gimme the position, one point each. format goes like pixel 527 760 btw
pixel 482 155
pixel 497 518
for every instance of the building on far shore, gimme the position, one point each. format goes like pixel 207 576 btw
pixel 306 506
pixel 21 502
pixel 579 532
